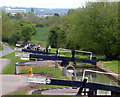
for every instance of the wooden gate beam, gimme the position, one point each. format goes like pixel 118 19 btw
pixel 61 58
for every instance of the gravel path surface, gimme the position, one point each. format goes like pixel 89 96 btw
pixel 3 63
pixel 10 83
pixel 6 50
pixel 62 91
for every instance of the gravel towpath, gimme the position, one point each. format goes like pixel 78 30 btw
pixel 11 83
pixel 6 50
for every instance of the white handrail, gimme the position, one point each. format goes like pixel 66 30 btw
pixel 85 52
pixel 72 67
pixel 68 50
pixel 97 72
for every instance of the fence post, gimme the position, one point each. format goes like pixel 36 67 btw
pixel 64 71
pixel 56 62
pixel 16 69
pixel 94 61
pixel 83 86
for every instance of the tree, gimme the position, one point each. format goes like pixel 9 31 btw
pixel 32 10
pixel 53 36
pixel 56 14
pixel 93 27
pixel 70 11
pixel 96 27
pixel 16 30
pixel 18 16
pixel 26 30
pixel 7 27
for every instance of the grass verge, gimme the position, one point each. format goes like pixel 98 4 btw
pixel 55 72
pixel 10 68
pixel 112 65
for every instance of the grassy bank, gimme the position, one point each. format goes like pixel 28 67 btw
pixel 46 69
pixel 54 72
pixel 112 65
pixel 41 36
pixel 10 68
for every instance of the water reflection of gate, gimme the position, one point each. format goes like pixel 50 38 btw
pixel 96 73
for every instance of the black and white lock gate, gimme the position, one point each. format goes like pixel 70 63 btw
pixel 55 56
pixel 39 52
pixel 32 56
pixel 80 84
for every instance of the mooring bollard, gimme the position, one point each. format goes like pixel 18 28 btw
pixel 64 71
pixel 74 78
pixel 30 72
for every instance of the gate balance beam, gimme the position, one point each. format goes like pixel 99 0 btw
pixel 93 86
pixel 39 52
pixel 83 86
pixel 62 58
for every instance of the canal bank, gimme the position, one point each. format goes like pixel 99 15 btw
pixel 115 76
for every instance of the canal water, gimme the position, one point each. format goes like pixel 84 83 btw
pixel 97 78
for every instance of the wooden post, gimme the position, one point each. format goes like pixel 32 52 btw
pixel 64 71
pixel 74 78
pixel 83 86
pixel 90 93
pixel 17 69
pixel 94 60
pixel 56 64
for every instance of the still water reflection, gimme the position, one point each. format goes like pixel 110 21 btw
pixel 97 78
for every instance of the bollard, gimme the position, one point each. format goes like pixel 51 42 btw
pixel 56 64
pixel 30 72
pixel 94 60
pixel 64 71
pixel 74 78
pixel 16 69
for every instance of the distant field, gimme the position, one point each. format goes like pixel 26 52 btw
pixel 41 36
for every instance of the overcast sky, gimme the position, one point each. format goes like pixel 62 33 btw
pixel 44 3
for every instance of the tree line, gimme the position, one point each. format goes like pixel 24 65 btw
pixel 94 27
pixel 15 29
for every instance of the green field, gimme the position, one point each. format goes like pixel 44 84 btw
pixel 41 36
